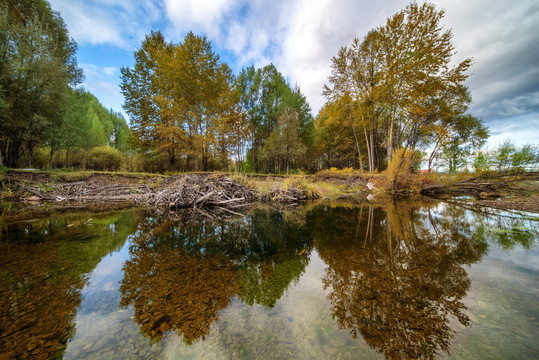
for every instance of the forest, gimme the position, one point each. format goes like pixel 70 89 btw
pixel 395 93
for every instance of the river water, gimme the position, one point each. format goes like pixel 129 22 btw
pixel 405 280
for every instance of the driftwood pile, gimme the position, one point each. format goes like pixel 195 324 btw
pixel 218 192
pixel 84 191
pixel 197 191
pixel 206 194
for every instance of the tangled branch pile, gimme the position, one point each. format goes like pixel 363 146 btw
pixel 84 191
pixel 213 191
pixel 282 196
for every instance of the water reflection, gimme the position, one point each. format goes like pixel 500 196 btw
pixel 399 279
pixel 302 283
pixel 395 274
pixel 41 278
pixel 180 276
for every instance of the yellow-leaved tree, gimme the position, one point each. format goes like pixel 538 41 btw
pixel 182 101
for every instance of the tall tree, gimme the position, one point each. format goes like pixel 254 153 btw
pixel 178 95
pixel 139 90
pixel 265 94
pixel 283 147
pixel 401 81
pixel 37 60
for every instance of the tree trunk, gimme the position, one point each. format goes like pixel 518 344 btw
pixel 401 161
pixel 30 155
pixel 13 154
pixel 51 154
pixel 372 147
pixel 1 153
pixel 431 157
pixel 357 143
pixel 171 159
pixel 223 162
pixel 253 167
pixel 369 155
pixel 390 138
pixel 205 162
pixel 65 160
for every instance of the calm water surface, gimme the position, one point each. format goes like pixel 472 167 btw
pixel 406 280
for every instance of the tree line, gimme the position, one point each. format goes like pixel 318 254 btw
pixel 394 91
pixel 187 107
pixel 42 112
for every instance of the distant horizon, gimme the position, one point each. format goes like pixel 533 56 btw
pixel 300 38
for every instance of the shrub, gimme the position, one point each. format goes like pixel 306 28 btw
pixel 104 158
pixel 482 162
pixel 400 164
pixel 504 155
pixel 525 158
pixel 41 157
pixel 398 173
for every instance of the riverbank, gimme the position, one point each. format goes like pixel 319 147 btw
pixel 504 191
pixel 228 193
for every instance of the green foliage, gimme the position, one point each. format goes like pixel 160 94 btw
pixel 39 107
pixel 482 162
pixel 264 96
pixel 105 158
pixel 37 61
pixel 503 156
pixel 527 157
pixel 283 148
pixel 508 157
pixel 183 102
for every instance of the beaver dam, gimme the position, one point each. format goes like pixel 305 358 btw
pixel 212 194
pixel 199 192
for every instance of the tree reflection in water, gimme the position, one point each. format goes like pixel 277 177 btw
pixel 180 276
pixel 396 277
pixel 43 267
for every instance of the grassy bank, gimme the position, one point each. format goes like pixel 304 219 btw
pixel 488 189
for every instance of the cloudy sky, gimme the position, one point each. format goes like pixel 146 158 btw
pixel 300 37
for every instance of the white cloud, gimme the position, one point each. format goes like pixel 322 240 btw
pixel 315 32
pixel 300 37
pixel 502 38
pixel 519 129
pixel 113 22
pixel 200 16
pixel 89 24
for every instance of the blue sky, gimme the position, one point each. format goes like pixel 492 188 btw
pixel 300 38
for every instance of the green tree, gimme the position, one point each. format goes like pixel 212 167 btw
pixel 139 92
pixel 283 148
pixel 70 131
pixel 469 133
pixel 264 95
pixel 527 157
pixel 482 161
pixel 37 61
pixel 503 155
